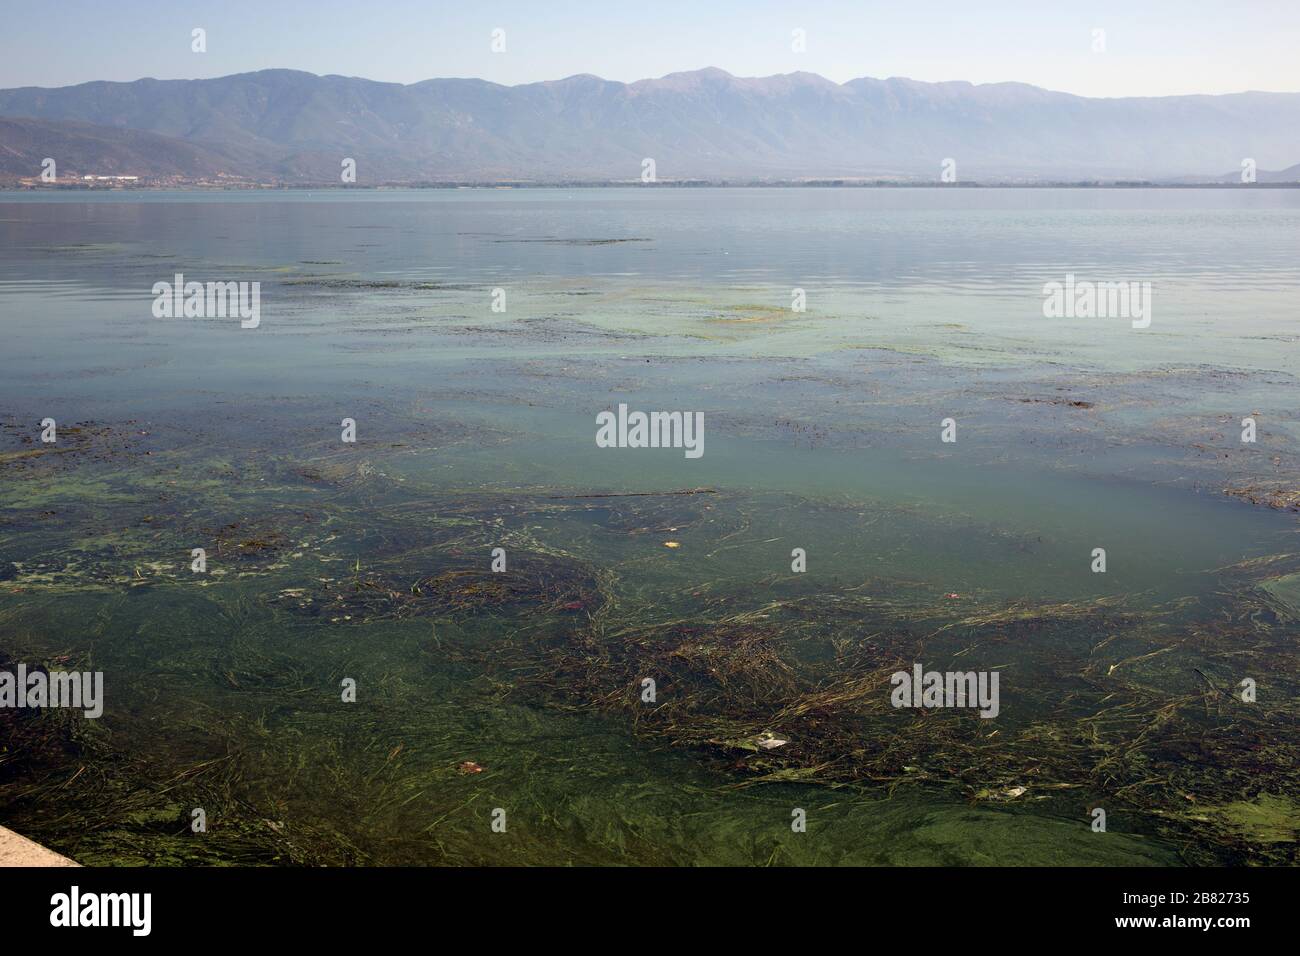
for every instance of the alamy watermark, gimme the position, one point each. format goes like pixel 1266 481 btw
pixel 75 908
pixel 1084 299
pixel 79 690
pixel 211 300
pixel 651 430
pixel 946 689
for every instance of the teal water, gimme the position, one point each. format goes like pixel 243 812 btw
pixel 476 429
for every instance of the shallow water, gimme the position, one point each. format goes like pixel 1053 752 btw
pixel 475 430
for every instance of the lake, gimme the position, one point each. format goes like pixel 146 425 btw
pixel 431 644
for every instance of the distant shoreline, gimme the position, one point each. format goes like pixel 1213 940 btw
pixel 607 184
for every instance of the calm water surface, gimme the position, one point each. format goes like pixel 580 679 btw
pixel 476 430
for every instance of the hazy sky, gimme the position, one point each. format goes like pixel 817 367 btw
pixel 1153 47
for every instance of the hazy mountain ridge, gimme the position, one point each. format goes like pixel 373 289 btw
pixel 82 149
pixel 702 124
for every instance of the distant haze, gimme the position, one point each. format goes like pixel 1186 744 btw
pixel 706 124
pixel 1151 47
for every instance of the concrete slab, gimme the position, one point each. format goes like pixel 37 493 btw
pixel 17 850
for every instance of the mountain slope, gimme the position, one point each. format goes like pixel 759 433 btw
pixel 85 149
pixel 1289 175
pixel 705 123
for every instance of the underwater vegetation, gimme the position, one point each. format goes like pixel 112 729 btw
pixel 223 686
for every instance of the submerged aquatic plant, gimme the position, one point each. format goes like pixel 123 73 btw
pixel 1114 702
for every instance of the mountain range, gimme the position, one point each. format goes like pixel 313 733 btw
pixel 295 127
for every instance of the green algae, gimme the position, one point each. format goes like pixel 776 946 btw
pixel 238 673
pixel 1269 818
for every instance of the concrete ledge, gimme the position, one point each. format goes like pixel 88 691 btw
pixel 17 850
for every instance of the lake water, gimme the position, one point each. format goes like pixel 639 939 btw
pixel 517 695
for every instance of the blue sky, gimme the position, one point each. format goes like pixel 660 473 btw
pixel 1152 48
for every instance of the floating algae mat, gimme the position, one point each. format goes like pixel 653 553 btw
pixel 1285 591
pixel 474 636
